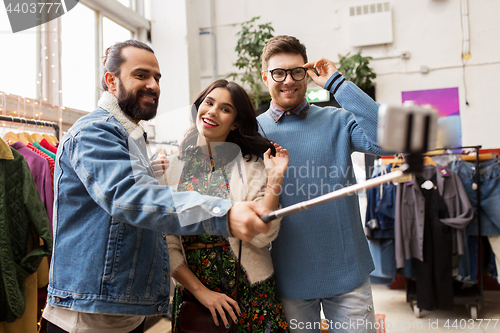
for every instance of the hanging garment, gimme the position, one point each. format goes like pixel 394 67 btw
pixel 380 208
pixel 489 185
pixel 410 208
pixel 21 213
pixel 489 210
pixel 382 251
pixel 434 278
pixel 45 144
pixel 41 174
pixel 47 158
pixel 46 151
pixel 495 247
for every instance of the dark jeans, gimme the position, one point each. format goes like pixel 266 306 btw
pixel 51 328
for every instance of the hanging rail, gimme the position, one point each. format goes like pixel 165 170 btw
pixel 32 122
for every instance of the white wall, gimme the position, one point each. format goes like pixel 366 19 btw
pixel 430 30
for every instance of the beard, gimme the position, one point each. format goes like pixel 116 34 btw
pixel 129 103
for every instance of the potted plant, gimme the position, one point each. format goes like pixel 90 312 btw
pixel 356 69
pixel 252 39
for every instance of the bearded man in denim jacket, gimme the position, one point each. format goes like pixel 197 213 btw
pixel 109 266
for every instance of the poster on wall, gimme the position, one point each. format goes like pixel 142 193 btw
pixel 445 101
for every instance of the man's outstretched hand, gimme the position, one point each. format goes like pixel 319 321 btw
pixel 244 221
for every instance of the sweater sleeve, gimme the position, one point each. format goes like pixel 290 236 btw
pixel 176 256
pixel 39 221
pixel 361 117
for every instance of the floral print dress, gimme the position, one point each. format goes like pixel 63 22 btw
pixel 215 267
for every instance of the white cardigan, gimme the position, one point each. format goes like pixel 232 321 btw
pixel 248 183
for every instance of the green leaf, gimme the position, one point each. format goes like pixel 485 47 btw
pixel 355 68
pixel 251 41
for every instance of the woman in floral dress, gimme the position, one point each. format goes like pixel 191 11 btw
pixel 219 157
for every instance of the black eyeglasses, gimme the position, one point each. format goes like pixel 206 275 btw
pixel 279 74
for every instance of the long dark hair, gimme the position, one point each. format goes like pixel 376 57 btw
pixel 246 136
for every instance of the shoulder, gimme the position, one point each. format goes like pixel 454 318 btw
pixel 97 120
pixel 254 164
pixel 264 117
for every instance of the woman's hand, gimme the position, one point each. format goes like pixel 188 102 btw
pixel 276 165
pixel 217 303
pixel 160 165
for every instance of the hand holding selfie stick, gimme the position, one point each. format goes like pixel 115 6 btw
pixel 414 127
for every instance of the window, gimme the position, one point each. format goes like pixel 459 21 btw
pixel 18 58
pixel 112 33
pixel 125 2
pixel 147 9
pixel 78 61
pixel 27 57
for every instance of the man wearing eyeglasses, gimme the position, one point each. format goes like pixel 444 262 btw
pixel 321 256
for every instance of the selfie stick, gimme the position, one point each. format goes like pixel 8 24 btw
pixel 334 195
pixel 410 128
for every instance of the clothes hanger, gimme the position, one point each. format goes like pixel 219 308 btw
pixel 482 157
pixel 54 138
pixel 37 137
pixel 28 136
pixel 10 137
pixel 23 138
pixel 21 135
pixel 49 139
pixel 429 161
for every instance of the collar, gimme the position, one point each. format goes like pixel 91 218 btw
pixel 5 151
pixel 300 110
pixel 221 153
pixel 18 145
pixel 441 174
pixel 109 103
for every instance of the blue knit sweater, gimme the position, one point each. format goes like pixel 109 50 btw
pixel 323 251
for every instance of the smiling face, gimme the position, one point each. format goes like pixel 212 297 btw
pixel 137 87
pixel 216 116
pixel 289 93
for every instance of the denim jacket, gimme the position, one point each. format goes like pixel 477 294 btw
pixel 110 215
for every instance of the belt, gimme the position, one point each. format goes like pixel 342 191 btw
pixel 196 246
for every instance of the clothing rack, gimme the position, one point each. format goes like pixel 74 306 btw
pixel 32 122
pixel 474 296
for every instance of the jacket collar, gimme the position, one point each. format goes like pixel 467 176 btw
pixel 441 174
pixel 109 103
pixel 5 151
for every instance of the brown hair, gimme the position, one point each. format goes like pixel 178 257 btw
pixel 114 59
pixel 246 136
pixel 282 44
